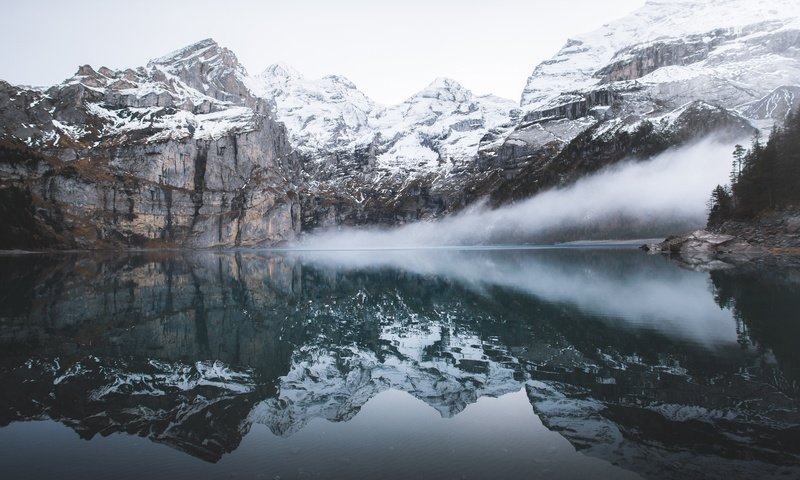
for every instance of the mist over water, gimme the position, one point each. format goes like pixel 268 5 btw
pixel 670 189
pixel 673 301
pixel 342 364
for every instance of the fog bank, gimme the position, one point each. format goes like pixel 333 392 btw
pixel 670 189
pixel 673 301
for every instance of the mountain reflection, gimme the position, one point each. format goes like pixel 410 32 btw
pixel 627 356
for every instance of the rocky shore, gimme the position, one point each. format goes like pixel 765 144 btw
pixel 773 238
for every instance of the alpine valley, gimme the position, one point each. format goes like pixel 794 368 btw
pixel 191 150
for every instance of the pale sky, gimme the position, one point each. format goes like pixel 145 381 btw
pixel 389 49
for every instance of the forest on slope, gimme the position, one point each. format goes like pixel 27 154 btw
pixel 764 178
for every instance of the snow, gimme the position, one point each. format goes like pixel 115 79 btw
pixel 672 73
pixel 574 67
pixel 333 382
pixel 73 131
pixel 330 115
pixel 155 378
pixel 218 124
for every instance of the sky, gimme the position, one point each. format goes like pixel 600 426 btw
pixel 389 49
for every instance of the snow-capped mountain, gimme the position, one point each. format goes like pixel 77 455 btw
pixel 441 124
pixel 439 127
pixel 326 115
pixel 727 51
pixel 195 92
pixel 178 152
pixel 667 73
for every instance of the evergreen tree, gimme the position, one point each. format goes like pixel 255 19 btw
pixel 739 154
pixel 720 206
pixel 764 177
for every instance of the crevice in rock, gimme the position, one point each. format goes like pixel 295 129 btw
pixel 200 162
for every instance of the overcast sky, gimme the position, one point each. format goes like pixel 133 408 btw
pixel 389 49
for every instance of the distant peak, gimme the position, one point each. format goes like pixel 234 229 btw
pixel 444 88
pixel 85 71
pixel 189 51
pixel 444 83
pixel 339 79
pixel 281 70
pixel 204 43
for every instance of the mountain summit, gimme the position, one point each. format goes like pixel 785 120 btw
pixel 733 51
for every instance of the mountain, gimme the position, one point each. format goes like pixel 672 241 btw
pixel 363 159
pixel 670 72
pixel 440 124
pixel 191 150
pixel 727 51
pixel 177 153
pixel 326 115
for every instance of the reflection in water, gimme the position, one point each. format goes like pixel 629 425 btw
pixel 662 371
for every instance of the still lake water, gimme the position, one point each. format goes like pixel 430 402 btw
pixel 505 363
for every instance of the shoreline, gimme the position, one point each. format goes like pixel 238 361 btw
pixel 771 239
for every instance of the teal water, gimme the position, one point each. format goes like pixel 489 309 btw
pixel 584 362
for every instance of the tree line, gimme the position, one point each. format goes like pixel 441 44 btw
pixel 764 177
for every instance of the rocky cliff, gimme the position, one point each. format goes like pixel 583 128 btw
pixel 177 153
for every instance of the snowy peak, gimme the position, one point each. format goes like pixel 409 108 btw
pixel 204 66
pixel 442 122
pixel 207 52
pixel 445 97
pixel 280 71
pixel 322 116
pixel 721 29
pixel 282 75
pixel 439 128
pixel 197 91
pixel 445 89
pixel 340 80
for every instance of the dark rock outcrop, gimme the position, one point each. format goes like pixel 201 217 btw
pixel 773 238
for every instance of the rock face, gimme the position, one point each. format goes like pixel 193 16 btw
pixel 705 250
pixel 773 237
pixel 178 153
pixel 189 150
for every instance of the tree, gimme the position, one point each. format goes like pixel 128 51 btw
pixel 764 177
pixel 739 154
pixel 720 206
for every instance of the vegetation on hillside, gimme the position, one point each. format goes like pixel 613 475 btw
pixel 764 177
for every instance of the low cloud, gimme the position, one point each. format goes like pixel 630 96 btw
pixel 670 189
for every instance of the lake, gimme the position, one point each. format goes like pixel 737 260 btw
pixel 583 362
